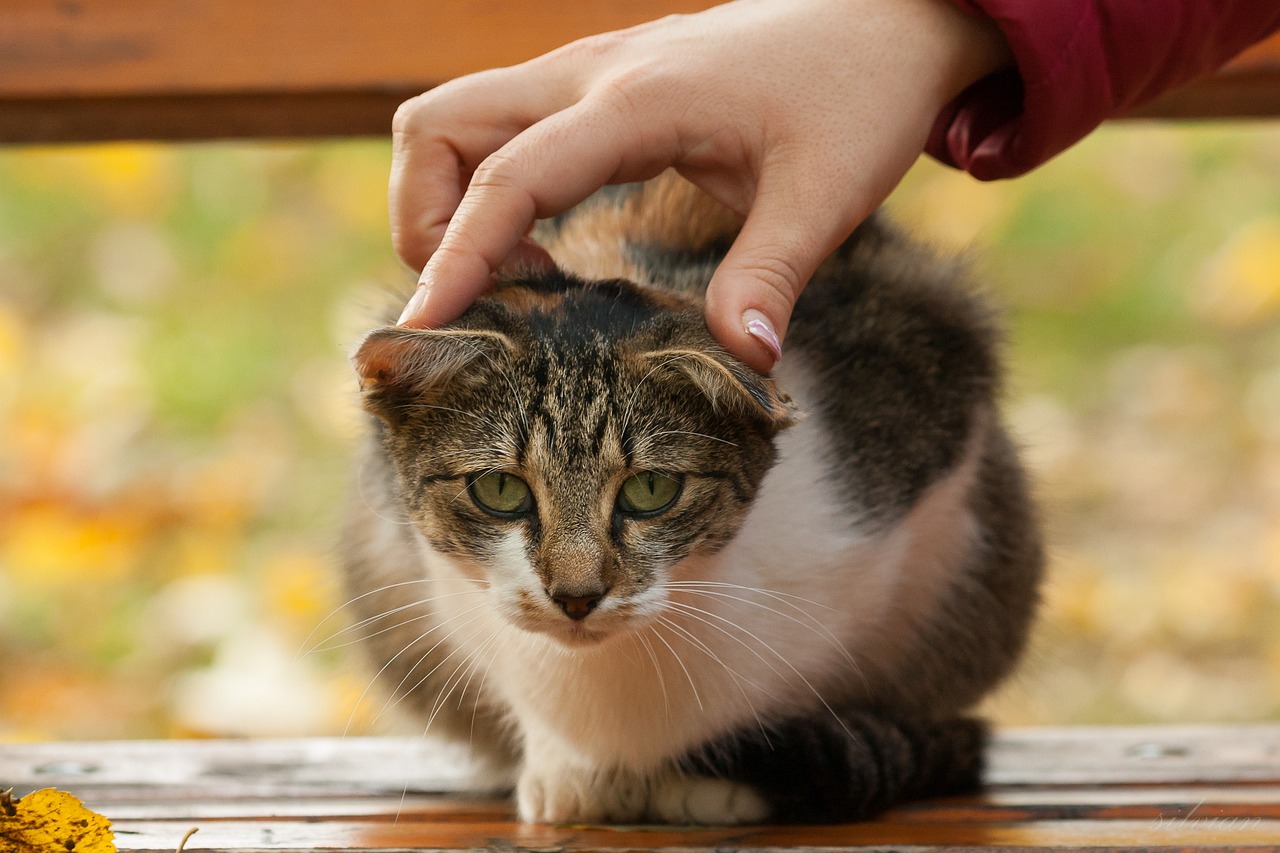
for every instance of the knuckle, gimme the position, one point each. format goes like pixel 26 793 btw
pixel 406 115
pixel 591 48
pixel 781 277
pixel 498 171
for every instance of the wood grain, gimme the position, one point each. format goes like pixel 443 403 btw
pixel 1121 788
pixel 89 70
pixel 188 69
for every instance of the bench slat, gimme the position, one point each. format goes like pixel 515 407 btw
pixel 90 70
pixel 1201 787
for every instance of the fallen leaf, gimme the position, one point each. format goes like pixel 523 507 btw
pixel 50 821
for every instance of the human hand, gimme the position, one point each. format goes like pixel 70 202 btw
pixel 799 115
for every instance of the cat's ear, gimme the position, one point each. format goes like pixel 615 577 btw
pixel 729 384
pixel 395 364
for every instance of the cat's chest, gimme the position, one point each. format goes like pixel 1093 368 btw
pixel 653 693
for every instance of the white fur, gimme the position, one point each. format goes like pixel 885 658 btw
pixel 602 714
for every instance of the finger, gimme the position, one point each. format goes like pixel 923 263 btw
pixel 441 136
pixel 542 172
pixel 788 232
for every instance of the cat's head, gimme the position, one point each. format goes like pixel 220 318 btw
pixel 570 443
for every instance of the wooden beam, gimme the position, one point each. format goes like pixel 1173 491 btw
pixel 1248 87
pixel 87 70
pixel 84 70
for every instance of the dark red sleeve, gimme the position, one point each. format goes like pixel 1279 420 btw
pixel 1080 62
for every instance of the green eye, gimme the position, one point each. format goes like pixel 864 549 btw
pixel 501 494
pixel 648 493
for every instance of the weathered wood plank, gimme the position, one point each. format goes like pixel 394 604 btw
pixel 445 835
pixel 87 70
pixel 1182 755
pixel 1177 787
pixel 1129 754
pixel 106 48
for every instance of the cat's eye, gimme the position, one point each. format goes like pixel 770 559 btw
pixel 501 494
pixel 648 493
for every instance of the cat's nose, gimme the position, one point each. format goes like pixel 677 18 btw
pixel 577 607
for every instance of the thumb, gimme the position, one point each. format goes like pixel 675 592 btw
pixel 750 297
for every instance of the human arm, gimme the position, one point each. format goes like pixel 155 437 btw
pixel 1079 62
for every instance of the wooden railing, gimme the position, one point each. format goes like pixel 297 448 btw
pixel 85 70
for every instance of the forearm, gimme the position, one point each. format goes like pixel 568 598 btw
pixel 1079 63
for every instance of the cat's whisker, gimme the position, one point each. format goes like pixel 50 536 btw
pixel 784 597
pixel 511 386
pixel 809 622
pixel 396 695
pixel 734 675
pixel 364 595
pixel 467 485
pixel 627 410
pixel 411 406
pixel 642 641
pixel 657 435
pixel 692 611
pixel 324 646
pixel 392 660
pixel 454 679
pixel 475 709
pixel 692 685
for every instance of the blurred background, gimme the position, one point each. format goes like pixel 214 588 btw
pixel 177 422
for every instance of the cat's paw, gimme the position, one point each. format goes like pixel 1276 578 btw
pixel 699 799
pixel 574 795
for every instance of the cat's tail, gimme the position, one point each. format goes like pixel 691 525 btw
pixel 827 769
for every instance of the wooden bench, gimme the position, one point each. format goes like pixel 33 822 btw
pixel 1127 788
pixel 91 70
pixel 85 70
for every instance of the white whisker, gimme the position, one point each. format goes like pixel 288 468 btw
pixel 394 658
pixel 694 610
pixel 335 611
pixel 737 679
pixel 676 657
pixel 641 640
pixel 397 696
pixel 323 645
pixel 809 622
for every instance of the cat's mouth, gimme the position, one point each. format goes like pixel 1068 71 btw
pixel 573 634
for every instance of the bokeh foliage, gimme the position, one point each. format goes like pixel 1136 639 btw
pixel 176 423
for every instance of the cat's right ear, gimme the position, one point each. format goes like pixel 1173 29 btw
pixel 398 365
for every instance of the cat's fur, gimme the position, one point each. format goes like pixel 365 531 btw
pixel 852 563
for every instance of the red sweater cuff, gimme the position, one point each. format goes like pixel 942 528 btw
pixel 1079 62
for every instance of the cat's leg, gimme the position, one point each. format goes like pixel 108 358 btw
pixel 556 786
pixel 830 768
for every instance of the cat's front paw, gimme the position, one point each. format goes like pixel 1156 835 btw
pixel 699 799
pixel 577 795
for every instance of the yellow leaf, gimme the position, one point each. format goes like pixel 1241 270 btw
pixel 50 821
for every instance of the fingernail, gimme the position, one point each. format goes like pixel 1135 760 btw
pixel 415 303
pixel 758 326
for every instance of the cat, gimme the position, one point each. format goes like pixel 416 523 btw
pixel 655 585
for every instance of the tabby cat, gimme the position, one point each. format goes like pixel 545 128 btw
pixel 656 585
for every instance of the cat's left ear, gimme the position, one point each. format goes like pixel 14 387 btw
pixel 730 384
pixel 394 363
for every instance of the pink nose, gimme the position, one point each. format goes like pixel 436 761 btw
pixel 577 607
